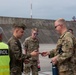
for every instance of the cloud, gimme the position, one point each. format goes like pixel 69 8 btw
pixel 43 9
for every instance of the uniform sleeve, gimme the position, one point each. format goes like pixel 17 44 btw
pixel 26 56
pixel 67 48
pixel 52 53
pixel 15 50
pixel 25 44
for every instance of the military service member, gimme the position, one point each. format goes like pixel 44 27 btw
pixel 16 55
pixel 31 43
pixel 70 30
pixel 62 56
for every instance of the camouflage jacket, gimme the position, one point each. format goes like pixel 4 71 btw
pixel 31 45
pixel 16 55
pixel 66 43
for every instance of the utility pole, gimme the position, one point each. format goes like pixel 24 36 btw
pixel 31 8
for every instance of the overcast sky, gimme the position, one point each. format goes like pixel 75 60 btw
pixel 41 9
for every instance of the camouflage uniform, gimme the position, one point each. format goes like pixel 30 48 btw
pixel 65 65
pixel 31 45
pixel 16 56
pixel 74 57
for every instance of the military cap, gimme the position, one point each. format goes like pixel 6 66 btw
pixel 19 25
pixel 1 30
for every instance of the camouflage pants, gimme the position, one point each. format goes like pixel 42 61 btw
pixel 15 71
pixel 66 73
pixel 31 67
pixel 74 68
pixel 74 71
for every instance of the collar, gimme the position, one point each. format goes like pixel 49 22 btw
pixel 15 37
pixel 33 39
pixel 63 35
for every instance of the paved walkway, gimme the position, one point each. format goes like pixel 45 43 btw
pixel 43 73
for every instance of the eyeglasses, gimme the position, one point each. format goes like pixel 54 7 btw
pixel 57 26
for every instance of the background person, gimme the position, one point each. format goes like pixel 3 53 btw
pixel 70 30
pixel 62 55
pixel 16 56
pixel 4 56
pixel 30 44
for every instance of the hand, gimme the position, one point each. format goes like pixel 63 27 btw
pixel 34 53
pixel 45 53
pixel 26 61
pixel 54 60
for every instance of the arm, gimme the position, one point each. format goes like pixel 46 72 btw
pixel 67 47
pixel 15 51
pixel 49 53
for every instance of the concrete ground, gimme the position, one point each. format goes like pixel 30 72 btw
pixel 43 73
pixel 46 66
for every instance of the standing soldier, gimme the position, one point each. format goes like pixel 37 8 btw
pixel 31 43
pixel 64 53
pixel 4 56
pixel 16 56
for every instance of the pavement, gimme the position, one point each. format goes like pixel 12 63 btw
pixel 43 73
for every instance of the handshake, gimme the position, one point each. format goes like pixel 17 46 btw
pixel 44 53
pixel 35 53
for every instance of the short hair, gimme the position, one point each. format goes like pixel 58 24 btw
pixel 19 25
pixel 35 29
pixel 61 21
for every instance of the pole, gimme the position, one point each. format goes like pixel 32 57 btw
pixel 31 8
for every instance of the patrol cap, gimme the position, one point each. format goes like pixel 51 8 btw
pixel 19 25
pixel 1 30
